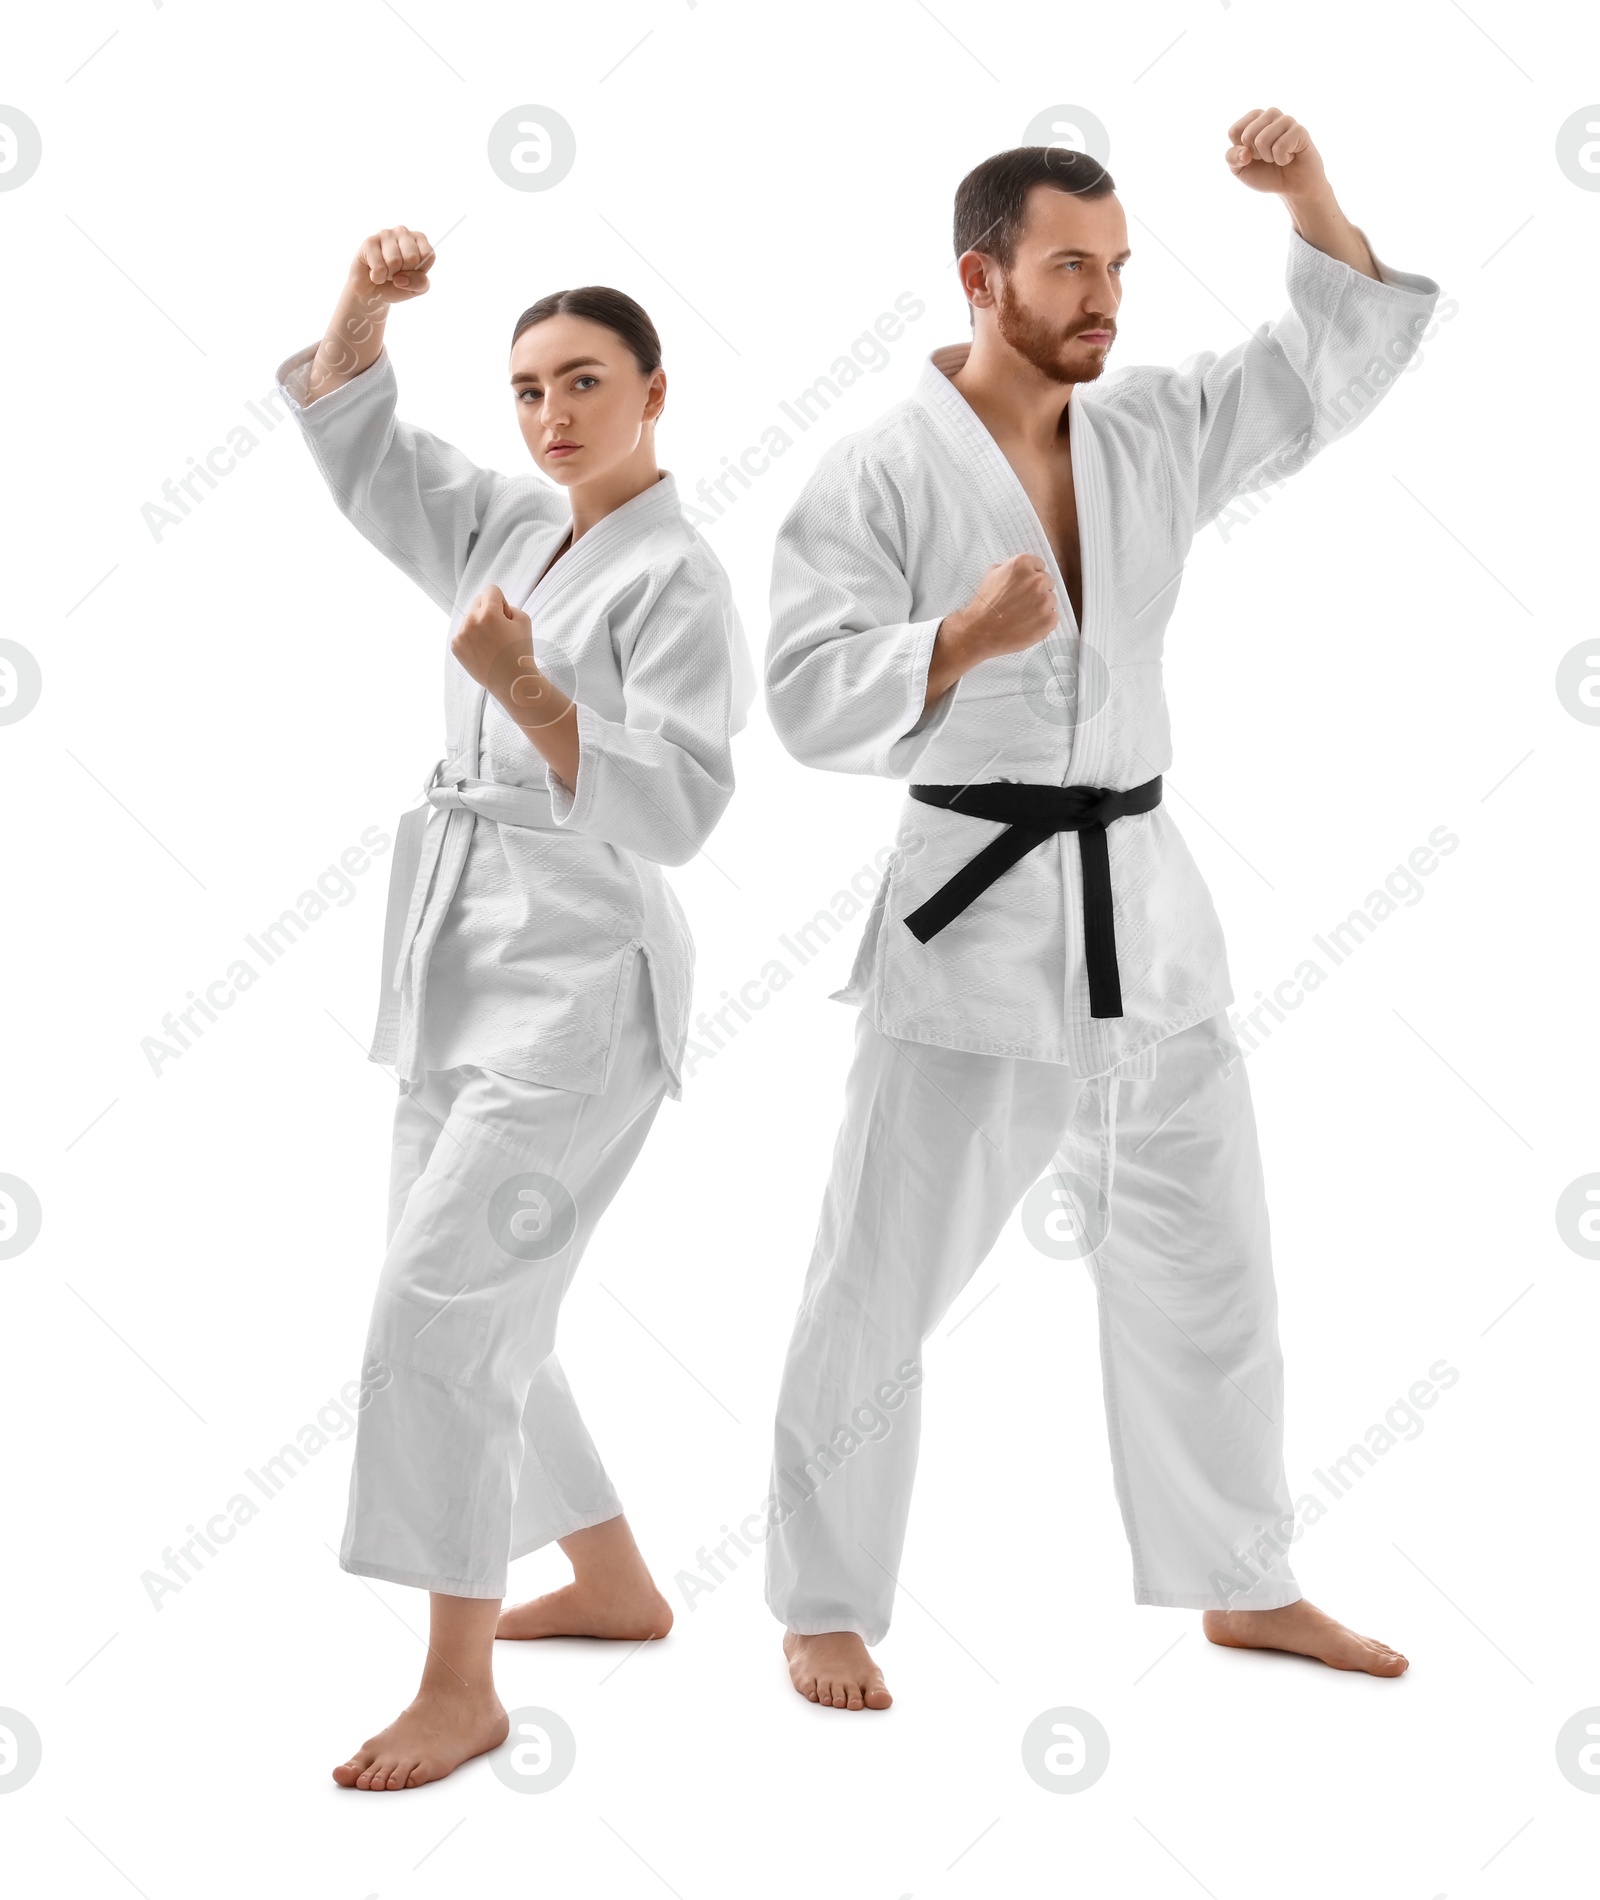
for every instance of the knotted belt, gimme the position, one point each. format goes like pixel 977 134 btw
pixel 1033 813
pixel 418 848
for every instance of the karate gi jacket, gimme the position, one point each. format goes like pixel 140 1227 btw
pixel 895 529
pixel 517 904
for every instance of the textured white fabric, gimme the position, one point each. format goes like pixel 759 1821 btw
pixel 472 1451
pixel 512 947
pixel 896 528
pixel 1163 1176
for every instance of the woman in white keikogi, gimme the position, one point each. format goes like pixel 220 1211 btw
pixel 537 969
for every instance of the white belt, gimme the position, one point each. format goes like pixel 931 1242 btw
pixel 418 846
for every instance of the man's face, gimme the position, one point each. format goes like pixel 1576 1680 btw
pixel 1057 305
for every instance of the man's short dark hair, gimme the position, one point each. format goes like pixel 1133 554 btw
pixel 992 200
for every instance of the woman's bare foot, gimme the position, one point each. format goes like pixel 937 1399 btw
pixel 436 1734
pixel 1303 1630
pixel 456 1713
pixel 591 1608
pixel 835 1671
pixel 611 1594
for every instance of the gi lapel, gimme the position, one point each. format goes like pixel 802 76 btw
pixel 979 457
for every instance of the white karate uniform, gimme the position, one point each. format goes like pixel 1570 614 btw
pixel 551 897
pixel 896 528
pixel 532 1040
pixel 472 1452
pixel 988 1022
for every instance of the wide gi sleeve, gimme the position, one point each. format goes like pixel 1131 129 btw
pixel 415 498
pixel 656 781
pixel 846 665
pixel 1241 421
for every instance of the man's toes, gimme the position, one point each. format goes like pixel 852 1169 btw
pixel 878 1697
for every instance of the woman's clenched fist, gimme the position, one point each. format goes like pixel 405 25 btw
pixel 392 265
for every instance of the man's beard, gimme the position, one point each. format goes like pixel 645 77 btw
pixel 1040 343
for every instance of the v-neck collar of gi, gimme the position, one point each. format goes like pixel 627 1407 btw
pixel 658 502
pixel 982 457
pixel 535 589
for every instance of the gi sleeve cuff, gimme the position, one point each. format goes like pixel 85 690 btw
pixel 905 749
pixel 1404 285
pixel 294 373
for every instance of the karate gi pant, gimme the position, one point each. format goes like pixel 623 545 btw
pixel 471 1451
pixel 937 1148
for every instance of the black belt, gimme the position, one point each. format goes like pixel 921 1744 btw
pixel 1031 814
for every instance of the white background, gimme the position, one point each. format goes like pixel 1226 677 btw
pixel 227 708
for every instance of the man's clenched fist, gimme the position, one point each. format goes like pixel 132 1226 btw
pixel 1269 151
pixel 1014 608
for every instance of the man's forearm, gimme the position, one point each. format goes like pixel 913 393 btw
pixel 1325 227
pixel 951 658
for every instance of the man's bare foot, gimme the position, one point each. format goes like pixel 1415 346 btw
pixel 835 1671
pixel 1303 1630
pixel 590 1606
pixel 436 1734
pixel 611 1594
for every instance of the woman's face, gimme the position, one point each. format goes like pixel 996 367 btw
pixel 583 403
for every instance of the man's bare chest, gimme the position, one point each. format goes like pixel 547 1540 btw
pixel 1049 486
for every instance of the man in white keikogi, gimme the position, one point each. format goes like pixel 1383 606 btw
pixel 971 595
